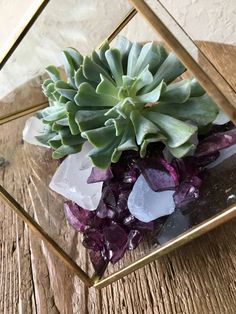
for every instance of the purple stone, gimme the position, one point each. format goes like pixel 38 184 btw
pixel 116 241
pixel 134 238
pixel 187 191
pixel 159 174
pixel 99 261
pixel 99 175
pixel 93 240
pixel 78 217
pixel 216 142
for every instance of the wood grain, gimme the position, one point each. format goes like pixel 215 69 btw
pixel 198 278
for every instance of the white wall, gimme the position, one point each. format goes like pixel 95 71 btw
pixel 213 20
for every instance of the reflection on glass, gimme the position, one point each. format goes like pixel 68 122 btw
pixel 59 26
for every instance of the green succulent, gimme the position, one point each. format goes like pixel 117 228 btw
pixel 121 99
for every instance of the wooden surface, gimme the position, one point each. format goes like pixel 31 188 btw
pixel 198 278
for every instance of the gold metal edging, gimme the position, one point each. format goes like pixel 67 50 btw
pixel 22 113
pixel 34 226
pixel 23 31
pixel 186 237
pixel 186 58
pixel 121 25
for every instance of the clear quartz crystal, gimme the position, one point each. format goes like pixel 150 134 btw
pixel 147 205
pixel 70 180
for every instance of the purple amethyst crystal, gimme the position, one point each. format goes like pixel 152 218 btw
pixel 216 142
pixel 134 238
pixel 99 261
pixel 77 217
pixel 99 175
pixel 116 241
pixel 159 174
pixel 187 191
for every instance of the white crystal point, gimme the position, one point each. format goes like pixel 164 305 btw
pixel 147 205
pixel 84 161
pixel 33 127
pixel 221 118
pixel 224 154
pixel 71 182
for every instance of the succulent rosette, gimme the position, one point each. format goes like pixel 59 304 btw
pixel 120 99
pixel 148 134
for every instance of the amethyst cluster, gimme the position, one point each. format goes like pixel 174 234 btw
pixel 110 230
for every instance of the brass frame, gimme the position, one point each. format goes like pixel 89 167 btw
pixel 226 215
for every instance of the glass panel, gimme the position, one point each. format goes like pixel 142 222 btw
pixel 27 169
pixel 54 30
pixel 211 21
pixel 197 51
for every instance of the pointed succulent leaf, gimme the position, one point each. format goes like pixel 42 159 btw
pixel 201 110
pixel 68 139
pixel 56 115
pixel 65 90
pixel 143 79
pixel 170 69
pixel 101 52
pixel 55 142
pixel 177 92
pixel 65 150
pixel 101 157
pixel 90 119
pixel 196 89
pixel 113 57
pixel 176 131
pixel 87 96
pixel 107 87
pixel 128 141
pixel 150 139
pixel 152 96
pixel 133 57
pixel 142 126
pixel 101 136
pixel 53 73
pixel 124 46
pixel 92 71
pixel 80 78
pixel 149 55
pixel 182 150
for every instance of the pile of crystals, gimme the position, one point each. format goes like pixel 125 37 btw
pixel 136 192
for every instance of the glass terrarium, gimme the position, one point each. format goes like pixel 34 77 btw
pixel 116 246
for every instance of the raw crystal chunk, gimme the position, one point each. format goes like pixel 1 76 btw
pixel 71 182
pixel 147 205
pixel 33 127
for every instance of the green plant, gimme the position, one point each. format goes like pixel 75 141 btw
pixel 121 99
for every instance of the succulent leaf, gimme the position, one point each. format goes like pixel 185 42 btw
pixel 121 99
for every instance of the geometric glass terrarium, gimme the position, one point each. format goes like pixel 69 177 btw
pixel 28 169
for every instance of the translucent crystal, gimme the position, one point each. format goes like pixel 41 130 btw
pixel 71 182
pixel 33 127
pixel 147 205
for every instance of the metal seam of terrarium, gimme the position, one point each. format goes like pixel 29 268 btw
pixel 21 113
pixel 23 31
pixel 186 58
pixel 195 232
pixel 19 210
pixel 32 109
